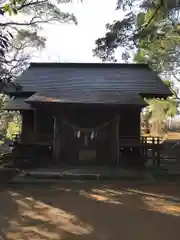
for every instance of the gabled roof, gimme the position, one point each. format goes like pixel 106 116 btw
pixel 88 97
pixel 96 77
pixel 17 104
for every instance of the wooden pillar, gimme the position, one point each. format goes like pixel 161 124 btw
pixel 117 137
pixel 54 137
pixel 56 140
pixel 35 120
pixel 153 151
pixel 158 152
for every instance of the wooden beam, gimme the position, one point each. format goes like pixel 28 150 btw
pixel 35 120
pixel 117 136
pixel 54 137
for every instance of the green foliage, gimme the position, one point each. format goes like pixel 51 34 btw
pixel 14 126
pixel 158 111
pixel 151 28
pixel 159 45
pixel 20 39
pixel 161 109
pixel 10 8
pixel 10 122
pixel 5 36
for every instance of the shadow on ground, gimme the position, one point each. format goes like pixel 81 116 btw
pixel 90 210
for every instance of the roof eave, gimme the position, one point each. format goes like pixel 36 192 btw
pixel 157 95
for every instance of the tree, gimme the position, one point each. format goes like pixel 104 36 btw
pixel 158 110
pixel 155 118
pixel 152 30
pixel 19 38
pixel 15 53
pixel 150 27
pixel 157 114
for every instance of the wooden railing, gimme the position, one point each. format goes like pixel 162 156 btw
pixel 47 139
pixel 149 147
pixel 131 140
pixel 128 140
pixel 151 140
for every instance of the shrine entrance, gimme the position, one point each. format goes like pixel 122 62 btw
pixel 79 145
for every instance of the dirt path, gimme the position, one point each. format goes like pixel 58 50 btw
pixel 91 211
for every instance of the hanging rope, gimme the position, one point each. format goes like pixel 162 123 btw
pixel 86 131
pixel 97 128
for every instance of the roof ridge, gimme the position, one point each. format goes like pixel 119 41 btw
pixel 86 65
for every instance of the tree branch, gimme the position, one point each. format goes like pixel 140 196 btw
pixel 24 5
pixel 174 75
pixel 151 18
pixel 26 23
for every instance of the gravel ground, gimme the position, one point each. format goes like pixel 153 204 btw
pixel 90 210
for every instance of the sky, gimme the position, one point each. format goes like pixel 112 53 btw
pixel 74 43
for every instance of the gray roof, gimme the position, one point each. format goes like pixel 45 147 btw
pixel 82 96
pixel 17 104
pixel 96 77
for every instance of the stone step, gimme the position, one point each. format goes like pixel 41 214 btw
pixel 53 176
pixel 170 164
pixel 170 161
pixel 171 169
pixel 73 178
pixel 167 176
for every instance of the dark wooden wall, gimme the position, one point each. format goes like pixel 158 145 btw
pixel 27 124
pixel 85 118
pixel 105 141
pixel 44 120
pixel 130 122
